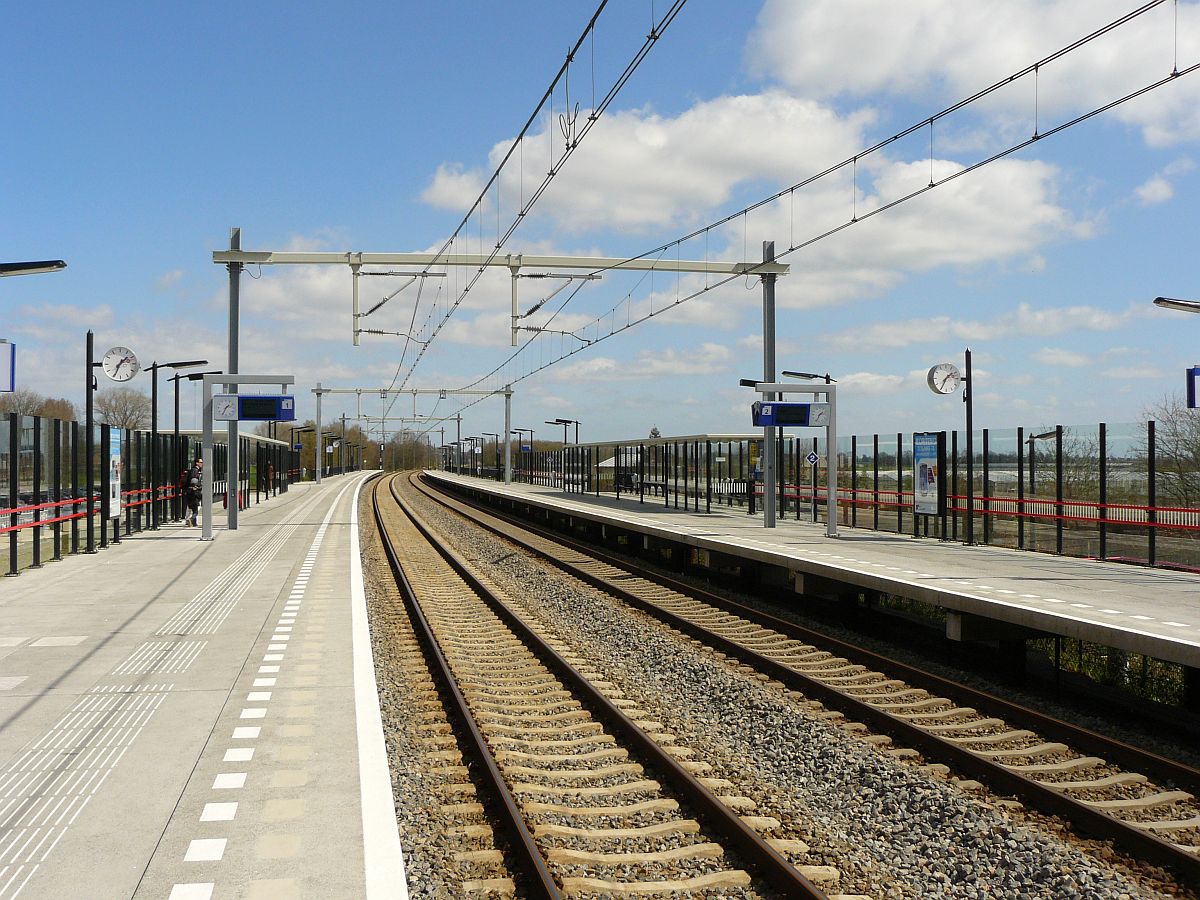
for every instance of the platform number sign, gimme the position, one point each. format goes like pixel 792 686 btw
pixel 812 458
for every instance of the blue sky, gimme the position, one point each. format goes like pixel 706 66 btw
pixel 137 134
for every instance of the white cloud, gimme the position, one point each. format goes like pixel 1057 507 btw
pixel 939 51
pixel 1024 321
pixel 638 170
pixel 707 359
pixel 1135 372
pixel 168 280
pixel 453 188
pixel 1158 188
pixel 1057 356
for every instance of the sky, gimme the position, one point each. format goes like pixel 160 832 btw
pixel 137 135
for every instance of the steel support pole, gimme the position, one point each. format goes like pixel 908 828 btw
pixel 209 473
pixel 89 441
pixel 968 391
pixel 154 447
pixel 508 434
pixel 233 471
pixel 319 461
pixel 831 467
pixel 768 285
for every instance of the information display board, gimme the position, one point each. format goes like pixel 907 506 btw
pixel 929 473
pixel 772 414
pixel 1192 374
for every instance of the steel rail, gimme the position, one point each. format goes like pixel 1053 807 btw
pixel 1138 842
pixel 524 849
pixel 771 866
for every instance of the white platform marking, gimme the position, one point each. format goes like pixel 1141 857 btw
pixel 382 855
pixel 239 754
pixel 65 641
pixel 205 850
pixel 246 732
pixel 197 891
pixel 229 781
pixel 218 812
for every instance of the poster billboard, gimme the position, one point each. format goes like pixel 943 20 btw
pixel 8 366
pixel 114 473
pixel 929 473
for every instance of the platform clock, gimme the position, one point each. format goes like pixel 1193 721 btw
pixel 120 364
pixel 944 378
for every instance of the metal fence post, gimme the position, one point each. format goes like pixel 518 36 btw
pixel 37 491
pixel 74 486
pixel 899 483
pixel 1103 511
pixel 14 449
pixel 1151 492
pixel 58 492
pixel 986 497
pixel 1020 489
pixel 1058 489
pixel 875 473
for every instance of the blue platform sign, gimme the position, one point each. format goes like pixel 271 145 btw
pixel 1192 374
pixel 773 414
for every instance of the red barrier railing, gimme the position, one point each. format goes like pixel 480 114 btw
pixel 166 492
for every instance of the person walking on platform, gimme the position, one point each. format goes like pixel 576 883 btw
pixel 193 486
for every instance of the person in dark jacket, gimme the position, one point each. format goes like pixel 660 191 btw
pixel 193 487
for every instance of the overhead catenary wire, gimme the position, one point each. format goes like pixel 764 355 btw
pixel 555 165
pixel 856 216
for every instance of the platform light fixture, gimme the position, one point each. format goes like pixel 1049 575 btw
pixel 811 376
pixel 37 267
pixel 1172 303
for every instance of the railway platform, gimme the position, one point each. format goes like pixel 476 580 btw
pixel 189 720
pixel 988 592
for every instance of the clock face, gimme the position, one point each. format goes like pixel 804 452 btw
pixel 944 378
pixel 225 408
pixel 120 364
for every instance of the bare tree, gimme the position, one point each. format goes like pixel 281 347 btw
pixel 123 407
pixel 58 408
pixel 1177 449
pixel 22 401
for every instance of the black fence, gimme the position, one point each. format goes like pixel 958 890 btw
pixel 1115 492
pixel 54 500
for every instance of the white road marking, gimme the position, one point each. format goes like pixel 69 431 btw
pixel 246 732
pixel 229 781
pixel 239 754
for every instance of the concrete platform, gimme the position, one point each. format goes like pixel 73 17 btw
pixel 1150 611
pixel 189 720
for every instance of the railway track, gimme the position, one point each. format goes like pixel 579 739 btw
pixel 593 797
pixel 1145 804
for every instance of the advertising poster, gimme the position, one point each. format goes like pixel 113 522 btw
pixel 927 472
pixel 114 473
pixel 8 366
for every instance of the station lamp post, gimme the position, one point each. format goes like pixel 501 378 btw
pixel 564 423
pixel 475 440
pixel 154 367
pixel 1033 455
pixel 497 439
pixel 518 432
pixel 180 461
